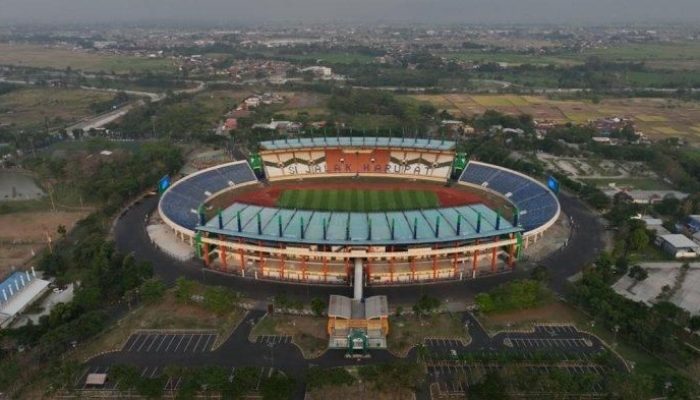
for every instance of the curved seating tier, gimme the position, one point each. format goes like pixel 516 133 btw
pixel 536 203
pixel 182 200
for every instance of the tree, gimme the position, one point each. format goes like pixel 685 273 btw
pixel 277 387
pixel 219 300
pixel 639 239
pixel 318 306
pixel 485 303
pixel 184 289
pixel 491 388
pixel 694 323
pixel 426 304
pixel 152 290
pixel 621 265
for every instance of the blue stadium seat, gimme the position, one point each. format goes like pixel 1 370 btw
pixel 537 204
pixel 181 199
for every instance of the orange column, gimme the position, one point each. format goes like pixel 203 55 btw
pixel 222 254
pixel 493 260
pixel 454 265
pixel 511 254
pixel 242 255
pixel 206 254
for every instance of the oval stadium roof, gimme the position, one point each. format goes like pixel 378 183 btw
pixel 358 141
pixel 356 228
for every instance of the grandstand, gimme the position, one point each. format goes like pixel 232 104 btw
pixel 323 245
pixel 537 206
pixel 181 202
pixel 423 158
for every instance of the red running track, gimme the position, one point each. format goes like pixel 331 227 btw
pixel 269 195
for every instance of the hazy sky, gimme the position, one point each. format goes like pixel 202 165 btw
pixel 467 11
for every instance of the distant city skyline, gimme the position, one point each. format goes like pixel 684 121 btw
pixel 428 11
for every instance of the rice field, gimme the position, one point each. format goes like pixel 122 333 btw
pixel 357 200
pixel 658 118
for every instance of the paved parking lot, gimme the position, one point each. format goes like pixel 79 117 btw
pixel 567 330
pixel 273 339
pixel 454 379
pixel 170 342
pixel 547 343
pixel 438 342
pixel 451 375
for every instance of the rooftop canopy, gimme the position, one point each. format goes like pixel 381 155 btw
pixel 297 143
pixel 355 228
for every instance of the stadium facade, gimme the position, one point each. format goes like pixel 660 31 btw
pixel 331 247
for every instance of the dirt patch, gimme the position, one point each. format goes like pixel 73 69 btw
pixel 15 255
pixel 524 319
pixel 21 227
pixel 22 235
pixel 408 330
pixel 309 333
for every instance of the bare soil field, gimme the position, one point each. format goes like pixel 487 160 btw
pixel 523 319
pixel 656 117
pixel 35 107
pixel 15 255
pixel 299 102
pixel 309 333
pixel 406 331
pixel 33 226
pixel 21 234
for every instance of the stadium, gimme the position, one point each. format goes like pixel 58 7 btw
pixel 343 210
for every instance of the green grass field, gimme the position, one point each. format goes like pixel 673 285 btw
pixel 357 200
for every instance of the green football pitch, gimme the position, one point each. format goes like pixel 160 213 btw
pixel 357 200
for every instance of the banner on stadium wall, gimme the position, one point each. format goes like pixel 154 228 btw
pixel 256 162
pixel 553 184
pixel 460 162
pixel 164 184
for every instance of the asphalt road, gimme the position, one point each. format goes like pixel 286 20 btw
pixel 583 247
pixel 160 349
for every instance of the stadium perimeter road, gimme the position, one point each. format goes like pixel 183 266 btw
pixel 584 245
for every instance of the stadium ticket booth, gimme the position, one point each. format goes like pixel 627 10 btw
pixel 358 325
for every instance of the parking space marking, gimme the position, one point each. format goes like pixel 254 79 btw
pixel 210 338
pixel 179 343
pixel 170 342
pixel 155 339
pixel 189 340
pixel 196 345
pixel 165 338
